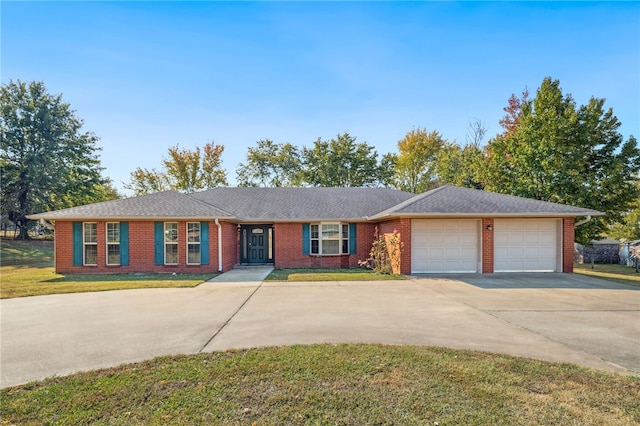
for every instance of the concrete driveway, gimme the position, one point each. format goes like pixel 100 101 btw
pixel 554 317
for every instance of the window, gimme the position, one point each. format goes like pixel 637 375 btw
pixel 113 243
pixel 90 243
pixel 193 243
pixel 329 238
pixel 170 243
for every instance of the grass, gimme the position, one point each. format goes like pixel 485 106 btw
pixel 26 269
pixel 330 384
pixel 616 273
pixel 329 275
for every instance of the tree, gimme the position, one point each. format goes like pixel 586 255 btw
pixel 563 153
pixel 185 170
pixel 415 164
pixel 461 166
pixel 341 162
pixel 628 228
pixel 511 119
pixel 46 161
pixel 270 164
pixel 475 133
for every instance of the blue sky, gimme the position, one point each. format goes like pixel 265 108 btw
pixel 146 76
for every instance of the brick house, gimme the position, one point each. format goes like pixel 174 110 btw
pixel 448 229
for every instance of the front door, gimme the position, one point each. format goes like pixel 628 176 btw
pixel 256 243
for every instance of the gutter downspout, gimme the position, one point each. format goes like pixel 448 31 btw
pixel 582 222
pixel 219 244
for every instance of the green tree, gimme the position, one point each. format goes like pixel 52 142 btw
pixel 563 153
pixel 461 166
pixel 46 161
pixel 415 164
pixel 628 228
pixel 341 162
pixel 184 170
pixel 270 164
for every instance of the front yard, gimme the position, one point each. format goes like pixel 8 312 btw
pixel 616 273
pixel 26 269
pixel 329 275
pixel 331 384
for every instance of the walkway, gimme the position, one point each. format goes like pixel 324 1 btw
pixel 243 274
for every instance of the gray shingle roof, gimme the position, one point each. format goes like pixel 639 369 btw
pixel 165 205
pixel 287 204
pixel 455 201
pixel 314 204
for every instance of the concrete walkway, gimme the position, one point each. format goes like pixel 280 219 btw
pixel 584 320
pixel 246 274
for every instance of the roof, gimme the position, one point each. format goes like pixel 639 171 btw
pixel 161 205
pixel 456 201
pixel 312 204
pixel 315 204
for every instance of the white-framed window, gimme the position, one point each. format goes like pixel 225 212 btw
pixel 193 243
pixel 90 243
pixel 113 243
pixel 329 238
pixel 170 243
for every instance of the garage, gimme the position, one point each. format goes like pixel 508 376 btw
pixel 445 245
pixel 527 245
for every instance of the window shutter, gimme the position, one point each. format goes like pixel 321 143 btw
pixel 159 243
pixel 124 243
pixel 77 243
pixel 353 245
pixel 306 239
pixel 204 243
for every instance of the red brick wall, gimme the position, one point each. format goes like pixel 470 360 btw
pixel 230 245
pixel 403 226
pixel 63 246
pixel 487 246
pixel 288 248
pixel 141 250
pixel 568 237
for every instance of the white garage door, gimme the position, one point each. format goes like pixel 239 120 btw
pixel 444 245
pixel 526 245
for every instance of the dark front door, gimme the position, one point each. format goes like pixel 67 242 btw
pixel 257 243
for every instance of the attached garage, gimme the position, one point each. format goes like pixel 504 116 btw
pixel 445 245
pixel 527 245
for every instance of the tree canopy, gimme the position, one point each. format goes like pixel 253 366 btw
pixel 341 162
pixel 184 170
pixel 560 152
pixel 415 163
pixel 46 161
pixel 271 164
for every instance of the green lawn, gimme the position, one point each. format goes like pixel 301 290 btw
pixel 329 275
pixel 616 273
pixel 26 269
pixel 329 385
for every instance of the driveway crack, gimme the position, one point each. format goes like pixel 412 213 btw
pixel 230 318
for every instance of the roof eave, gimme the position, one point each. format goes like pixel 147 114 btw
pixel 519 214
pixel 128 218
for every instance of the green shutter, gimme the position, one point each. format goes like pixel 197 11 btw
pixel 159 243
pixel 124 243
pixel 204 243
pixel 306 239
pixel 353 246
pixel 77 243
